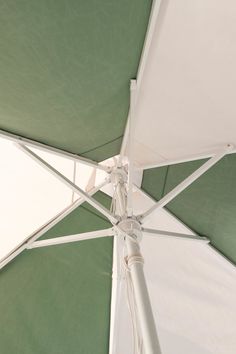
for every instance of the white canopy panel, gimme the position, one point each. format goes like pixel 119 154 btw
pixel 30 196
pixel 192 290
pixel 186 101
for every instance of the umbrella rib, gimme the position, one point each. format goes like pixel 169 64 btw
pixel 165 210
pixel 185 183
pixel 47 226
pixel 175 235
pixel 74 180
pixel 133 91
pixel 72 238
pixel 124 142
pixel 188 158
pixel 70 184
pixel 157 15
pixel 56 151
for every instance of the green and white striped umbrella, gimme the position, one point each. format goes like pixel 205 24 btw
pixel 65 71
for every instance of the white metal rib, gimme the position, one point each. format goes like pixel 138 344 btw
pixel 188 158
pixel 184 184
pixel 133 89
pixel 70 184
pixel 72 238
pixel 157 14
pixel 175 235
pixel 47 226
pixel 19 139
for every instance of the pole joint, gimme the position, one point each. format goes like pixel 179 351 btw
pixel 131 228
pixel 134 259
pixel 118 175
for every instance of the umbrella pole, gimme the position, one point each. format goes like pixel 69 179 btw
pixel 130 228
pixel 147 325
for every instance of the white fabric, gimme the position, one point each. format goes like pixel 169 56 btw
pixel 186 104
pixel 30 195
pixel 192 288
pixel 192 291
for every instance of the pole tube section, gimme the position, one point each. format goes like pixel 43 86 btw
pixel 135 264
pixel 145 314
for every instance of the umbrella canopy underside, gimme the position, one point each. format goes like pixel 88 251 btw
pixel 57 299
pixel 65 68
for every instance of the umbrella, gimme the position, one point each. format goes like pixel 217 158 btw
pixel 65 71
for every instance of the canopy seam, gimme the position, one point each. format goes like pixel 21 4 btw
pixel 100 146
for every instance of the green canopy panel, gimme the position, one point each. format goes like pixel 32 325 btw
pixel 208 206
pixel 56 299
pixel 65 67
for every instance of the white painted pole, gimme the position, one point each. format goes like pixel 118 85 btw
pixel 144 308
pixel 183 185
pixel 115 296
pixel 135 264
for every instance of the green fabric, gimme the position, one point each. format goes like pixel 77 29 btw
pixel 57 299
pixel 85 218
pixel 208 206
pixel 65 67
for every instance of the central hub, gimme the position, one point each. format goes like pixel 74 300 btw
pixel 119 175
pixel 132 227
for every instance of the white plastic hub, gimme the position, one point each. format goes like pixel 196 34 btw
pixel 132 227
